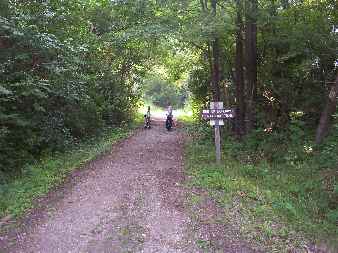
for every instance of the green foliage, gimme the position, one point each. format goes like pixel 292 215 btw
pixel 327 157
pixel 63 77
pixel 163 94
pixel 296 47
pixel 282 202
pixel 297 60
pixel 38 178
pixel 199 83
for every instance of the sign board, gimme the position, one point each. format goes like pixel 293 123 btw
pixel 216 114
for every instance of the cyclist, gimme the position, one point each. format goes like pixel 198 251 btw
pixel 169 121
pixel 147 119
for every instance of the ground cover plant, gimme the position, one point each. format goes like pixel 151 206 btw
pixel 39 177
pixel 280 198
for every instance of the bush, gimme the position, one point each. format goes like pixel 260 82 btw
pixel 273 177
pixel 55 89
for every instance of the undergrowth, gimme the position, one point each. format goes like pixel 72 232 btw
pixel 280 191
pixel 38 178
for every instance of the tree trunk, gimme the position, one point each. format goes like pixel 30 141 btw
pixel 203 6
pixel 209 55
pixel 239 80
pixel 251 62
pixel 216 60
pixel 329 110
pixel 216 71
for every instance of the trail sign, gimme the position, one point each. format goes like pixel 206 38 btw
pixel 216 114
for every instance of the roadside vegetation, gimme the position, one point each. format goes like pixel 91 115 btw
pixel 38 178
pixel 71 69
pixel 61 80
pixel 278 181
pixel 279 193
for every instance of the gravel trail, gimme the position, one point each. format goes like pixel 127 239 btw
pixel 130 200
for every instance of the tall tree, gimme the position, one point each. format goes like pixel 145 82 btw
pixel 251 61
pixel 239 79
pixel 216 75
pixel 329 110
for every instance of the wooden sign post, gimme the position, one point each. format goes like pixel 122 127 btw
pixel 216 115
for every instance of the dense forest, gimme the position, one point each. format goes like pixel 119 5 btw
pixel 70 69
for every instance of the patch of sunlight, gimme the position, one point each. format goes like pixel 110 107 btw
pixel 158 112
pixel 308 149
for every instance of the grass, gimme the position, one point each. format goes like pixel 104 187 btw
pixel 278 206
pixel 39 178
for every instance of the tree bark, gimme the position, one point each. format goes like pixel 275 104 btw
pixel 239 78
pixel 329 110
pixel 202 5
pixel 251 62
pixel 216 70
pixel 209 55
pixel 216 60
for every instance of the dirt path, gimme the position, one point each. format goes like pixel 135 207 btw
pixel 131 200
